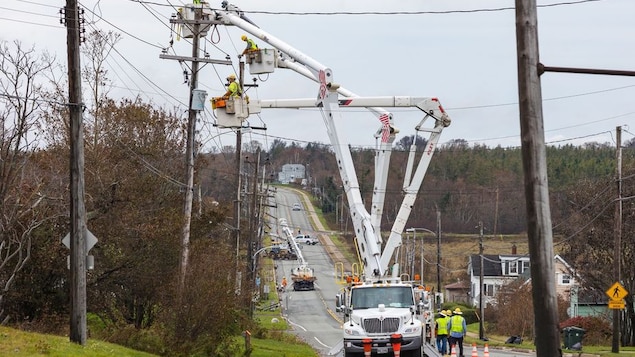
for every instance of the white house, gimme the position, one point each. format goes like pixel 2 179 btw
pixel 291 172
pixel 499 270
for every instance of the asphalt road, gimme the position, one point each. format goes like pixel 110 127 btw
pixel 311 314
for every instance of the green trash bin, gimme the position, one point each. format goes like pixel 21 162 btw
pixel 573 337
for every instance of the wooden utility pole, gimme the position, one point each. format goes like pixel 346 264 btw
pixel 438 252
pixel 615 343
pixel 539 229
pixel 194 26
pixel 237 209
pixel 189 162
pixel 78 210
pixel 481 307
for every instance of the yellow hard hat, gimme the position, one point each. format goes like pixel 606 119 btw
pixel 457 311
pixel 231 76
pixel 243 37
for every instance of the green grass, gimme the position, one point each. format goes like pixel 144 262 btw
pixel 499 341
pixel 19 343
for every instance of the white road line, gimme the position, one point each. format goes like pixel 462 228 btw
pixel 294 324
pixel 320 342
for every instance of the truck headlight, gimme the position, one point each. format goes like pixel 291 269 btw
pixel 414 329
pixel 351 332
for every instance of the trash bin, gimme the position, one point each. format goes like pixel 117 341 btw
pixel 573 337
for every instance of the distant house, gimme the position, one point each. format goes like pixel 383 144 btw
pixel 457 292
pixel 291 173
pixel 499 270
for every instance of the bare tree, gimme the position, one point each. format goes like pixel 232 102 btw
pixel 97 48
pixel 20 96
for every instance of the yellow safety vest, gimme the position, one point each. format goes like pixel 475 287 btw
pixel 251 45
pixel 234 88
pixel 442 326
pixel 457 324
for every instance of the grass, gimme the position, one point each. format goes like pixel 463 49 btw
pixel 499 342
pixel 20 343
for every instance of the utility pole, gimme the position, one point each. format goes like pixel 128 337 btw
pixel 189 162
pixel 252 227
pixel 78 210
pixel 191 29
pixel 615 343
pixel 438 252
pixel 539 228
pixel 481 327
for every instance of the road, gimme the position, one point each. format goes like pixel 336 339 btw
pixel 311 314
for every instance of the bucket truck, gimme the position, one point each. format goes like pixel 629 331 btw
pixel 303 276
pixel 386 312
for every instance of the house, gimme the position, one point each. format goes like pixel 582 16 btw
pixel 458 292
pixel 501 269
pixel 291 173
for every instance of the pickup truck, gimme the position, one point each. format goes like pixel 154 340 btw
pixel 306 239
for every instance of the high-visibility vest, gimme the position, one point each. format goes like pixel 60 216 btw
pixel 234 88
pixel 442 326
pixel 457 324
pixel 251 45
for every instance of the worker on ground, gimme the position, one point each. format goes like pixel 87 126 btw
pixel 251 45
pixel 284 283
pixel 233 89
pixel 442 332
pixel 457 329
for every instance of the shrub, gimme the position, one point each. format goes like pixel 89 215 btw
pixel 597 330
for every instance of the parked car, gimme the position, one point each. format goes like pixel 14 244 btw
pixel 297 207
pixel 306 239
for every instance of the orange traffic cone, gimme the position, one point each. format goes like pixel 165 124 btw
pixel 486 351
pixel 367 342
pixel 395 341
pixel 453 351
pixel 474 350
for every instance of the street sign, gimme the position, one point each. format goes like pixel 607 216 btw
pixel 616 305
pixel 616 292
pixel 91 240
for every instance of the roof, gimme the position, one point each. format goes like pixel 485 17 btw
pixel 491 265
pixel 459 285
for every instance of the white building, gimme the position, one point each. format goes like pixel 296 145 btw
pixel 499 270
pixel 291 172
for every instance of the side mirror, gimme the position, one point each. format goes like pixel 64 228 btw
pixel 338 302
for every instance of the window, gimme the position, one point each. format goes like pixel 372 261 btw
pixel 513 267
pixel 489 289
pixel 565 279
pixel 525 266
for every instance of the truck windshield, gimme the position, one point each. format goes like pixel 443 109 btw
pixel 390 296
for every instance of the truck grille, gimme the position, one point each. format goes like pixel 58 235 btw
pixel 388 325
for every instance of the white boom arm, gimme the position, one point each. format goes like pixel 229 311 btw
pixel 292 243
pixel 367 225
pixel 297 61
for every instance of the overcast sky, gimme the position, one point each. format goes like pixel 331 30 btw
pixel 460 51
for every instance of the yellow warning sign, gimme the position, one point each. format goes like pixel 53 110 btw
pixel 617 305
pixel 616 292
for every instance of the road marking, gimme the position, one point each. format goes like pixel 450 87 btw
pixel 320 342
pixel 294 324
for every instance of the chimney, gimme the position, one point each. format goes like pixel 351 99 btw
pixel 514 249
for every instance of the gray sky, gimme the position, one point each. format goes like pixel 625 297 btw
pixel 460 51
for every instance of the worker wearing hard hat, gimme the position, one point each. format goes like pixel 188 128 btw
pixel 251 45
pixel 442 332
pixel 457 328
pixel 233 89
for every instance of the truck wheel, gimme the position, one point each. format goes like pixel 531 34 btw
pixel 351 354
